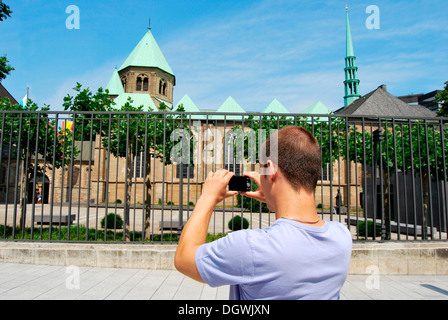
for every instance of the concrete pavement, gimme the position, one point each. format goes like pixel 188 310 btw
pixel 46 282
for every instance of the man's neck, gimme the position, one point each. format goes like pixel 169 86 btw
pixel 298 206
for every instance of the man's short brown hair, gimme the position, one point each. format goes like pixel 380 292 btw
pixel 299 157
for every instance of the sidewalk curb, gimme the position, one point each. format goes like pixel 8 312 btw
pixel 389 258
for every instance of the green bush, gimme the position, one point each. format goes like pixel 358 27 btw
pixel 362 229
pixel 113 221
pixel 235 223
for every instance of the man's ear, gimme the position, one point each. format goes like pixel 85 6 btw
pixel 272 170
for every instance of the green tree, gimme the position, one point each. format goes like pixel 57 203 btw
pixel 5 67
pixel 442 97
pixel 33 134
pixel 419 147
pixel 133 132
pixel 126 133
pixel 5 11
pixel 88 112
pixel 339 139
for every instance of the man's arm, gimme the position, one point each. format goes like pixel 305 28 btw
pixel 194 233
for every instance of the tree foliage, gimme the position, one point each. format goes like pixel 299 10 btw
pixel 33 132
pixel 442 97
pixel 5 67
pixel 5 11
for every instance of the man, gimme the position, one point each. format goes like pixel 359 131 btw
pixel 299 257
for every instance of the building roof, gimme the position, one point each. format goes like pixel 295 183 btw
pixel 190 106
pixel 317 108
pixel 147 54
pixel 139 99
pixel 5 94
pixel 115 86
pixel 380 103
pixel 229 106
pixel 276 107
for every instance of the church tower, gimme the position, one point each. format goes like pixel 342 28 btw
pixel 351 82
pixel 145 76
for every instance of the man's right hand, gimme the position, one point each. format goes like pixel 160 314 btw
pixel 257 194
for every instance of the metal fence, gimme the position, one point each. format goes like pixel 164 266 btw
pixel 135 177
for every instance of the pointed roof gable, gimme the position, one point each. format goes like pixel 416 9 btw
pixel 115 86
pixel 276 107
pixel 190 106
pixel 231 106
pixel 5 94
pixel 317 108
pixel 147 54
pixel 380 103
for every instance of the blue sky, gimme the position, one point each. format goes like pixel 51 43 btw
pixel 254 51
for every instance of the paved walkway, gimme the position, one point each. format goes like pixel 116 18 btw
pixel 41 282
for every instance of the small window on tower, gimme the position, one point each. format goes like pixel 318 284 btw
pixel 162 87
pixel 145 84
pixel 139 84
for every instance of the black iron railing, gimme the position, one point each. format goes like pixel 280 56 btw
pixel 135 177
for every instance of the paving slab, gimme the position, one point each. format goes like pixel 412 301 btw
pixel 46 282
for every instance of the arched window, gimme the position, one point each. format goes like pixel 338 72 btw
pixel 162 87
pixel 142 83
pixel 139 84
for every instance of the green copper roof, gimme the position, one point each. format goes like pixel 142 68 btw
pixel 230 105
pixel 349 52
pixel 115 86
pixel 317 108
pixel 139 99
pixel 147 54
pixel 190 106
pixel 276 107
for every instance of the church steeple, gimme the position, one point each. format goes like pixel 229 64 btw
pixel 351 82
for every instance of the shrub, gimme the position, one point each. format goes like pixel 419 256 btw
pixel 235 223
pixel 362 229
pixel 114 221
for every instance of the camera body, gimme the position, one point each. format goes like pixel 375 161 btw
pixel 239 183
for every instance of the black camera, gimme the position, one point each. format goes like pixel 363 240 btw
pixel 239 183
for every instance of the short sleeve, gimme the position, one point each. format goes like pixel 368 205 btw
pixel 227 261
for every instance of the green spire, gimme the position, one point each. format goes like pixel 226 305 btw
pixel 147 54
pixel 350 51
pixel 351 82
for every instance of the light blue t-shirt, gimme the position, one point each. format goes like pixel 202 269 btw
pixel 285 261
